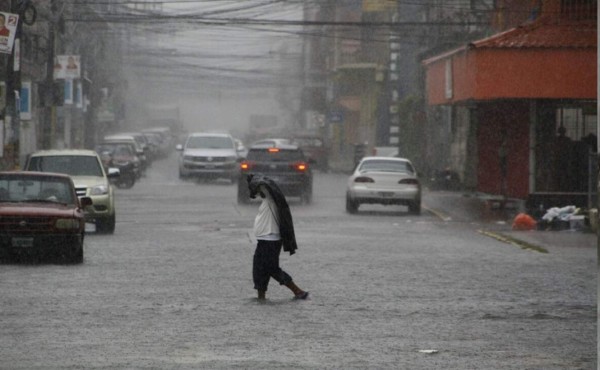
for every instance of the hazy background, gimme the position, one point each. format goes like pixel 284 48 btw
pixel 217 71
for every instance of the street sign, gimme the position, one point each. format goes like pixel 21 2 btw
pixel 336 116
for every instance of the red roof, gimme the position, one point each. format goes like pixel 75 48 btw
pixel 544 35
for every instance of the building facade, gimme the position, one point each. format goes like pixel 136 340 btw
pixel 523 104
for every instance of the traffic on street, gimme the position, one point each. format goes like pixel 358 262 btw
pixel 172 288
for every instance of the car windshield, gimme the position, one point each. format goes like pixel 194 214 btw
pixel 74 165
pixel 209 142
pixel 386 166
pixel 115 149
pixel 153 138
pixel 35 189
pixel 312 142
pixel 266 155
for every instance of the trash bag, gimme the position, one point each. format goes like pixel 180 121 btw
pixel 562 213
pixel 524 222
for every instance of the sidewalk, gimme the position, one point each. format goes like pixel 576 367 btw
pixel 497 221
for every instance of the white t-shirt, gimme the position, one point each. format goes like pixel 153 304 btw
pixel 265 223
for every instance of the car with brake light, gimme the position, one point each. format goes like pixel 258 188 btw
pixel 384 180
pixel 283 163
pixel 90 178
pixel 41 216
pixel 315 148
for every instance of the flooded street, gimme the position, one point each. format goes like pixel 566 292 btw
pixel 172 289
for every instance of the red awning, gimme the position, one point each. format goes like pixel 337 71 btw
pixel 533 61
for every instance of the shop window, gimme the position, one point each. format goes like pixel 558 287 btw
pixel 579 9
pixel 580 123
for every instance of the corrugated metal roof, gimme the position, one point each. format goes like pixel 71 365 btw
pixel 544 35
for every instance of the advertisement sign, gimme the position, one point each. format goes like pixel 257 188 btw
pixel 378 5
pixel 68 93
pixel 25 101
pixel 8 29
pixel 67 67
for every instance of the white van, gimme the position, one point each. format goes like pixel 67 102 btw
pixel 208 156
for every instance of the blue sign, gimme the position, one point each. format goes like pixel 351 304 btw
pixel 336 116
pixel 25 101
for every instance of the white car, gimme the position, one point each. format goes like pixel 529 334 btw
pixel 384 180
pixel 209 156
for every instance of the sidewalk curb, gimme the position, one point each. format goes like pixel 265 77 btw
pixel 437 213
pixel 513 241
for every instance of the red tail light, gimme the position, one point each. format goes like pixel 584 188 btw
pixel 363 179
pixel 300 166
pixel 409 182
pixel 273 150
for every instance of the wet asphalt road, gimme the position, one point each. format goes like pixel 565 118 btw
pixel 172 289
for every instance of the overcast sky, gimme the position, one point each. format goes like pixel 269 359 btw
pixel 218 74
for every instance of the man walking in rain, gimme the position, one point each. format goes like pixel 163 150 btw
pixel 274 229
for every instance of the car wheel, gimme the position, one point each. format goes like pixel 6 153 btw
pixel 126 182
pixel 242 194
pixel 106 225
pixel 76 255
pixel 351 205
pixel 415 207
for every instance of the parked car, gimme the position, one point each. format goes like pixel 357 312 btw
pixel 284 163
pixel 163 137
pixel 154 144
pixel 139 150
pixel 41 216
pixel 123 157
pixel 90 178
pixel 209 156
pixel 143 143
pixel 384 180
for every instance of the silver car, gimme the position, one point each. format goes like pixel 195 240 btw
pixel 384 180
pixel 208 155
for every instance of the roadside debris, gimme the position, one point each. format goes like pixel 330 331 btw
pixel 563 218
pixel 524 222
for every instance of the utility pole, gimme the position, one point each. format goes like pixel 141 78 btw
pixel 13 88
pixel 11 152
pixel 50 119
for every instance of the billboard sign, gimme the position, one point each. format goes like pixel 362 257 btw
pixel 378 5
pixel 8 30
pixel 67 67
pixel 25 101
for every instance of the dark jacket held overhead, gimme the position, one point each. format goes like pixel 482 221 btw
pixel 284 216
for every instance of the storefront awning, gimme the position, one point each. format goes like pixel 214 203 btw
pixel 539 60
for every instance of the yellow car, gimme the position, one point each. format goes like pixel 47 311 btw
pixel 90 178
